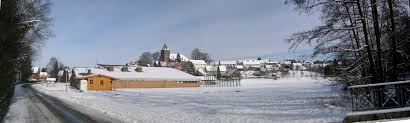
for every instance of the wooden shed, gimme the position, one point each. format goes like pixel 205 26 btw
pixel 99 82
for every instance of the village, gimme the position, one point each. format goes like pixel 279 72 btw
pixel 174 71
pixel 194 90
pixel 194 61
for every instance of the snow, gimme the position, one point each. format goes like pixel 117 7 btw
pixel 198 62
pixel 379 111
pixel 251 62
pixel 210 68
pixel 173 57
pixel 43 73
pixel 297 99
pixel 227 62
pixel 402 120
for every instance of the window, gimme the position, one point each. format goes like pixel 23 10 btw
pixel 101 82
pixel 111 82
pixel 91 81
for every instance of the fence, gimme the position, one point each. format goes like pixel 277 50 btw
pixel 214 81
pixel 380 96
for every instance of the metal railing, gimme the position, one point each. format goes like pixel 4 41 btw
pixel 380 96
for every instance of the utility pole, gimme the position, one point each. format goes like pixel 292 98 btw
pixel 66 79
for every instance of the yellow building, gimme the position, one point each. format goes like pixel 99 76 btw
pixel 133 77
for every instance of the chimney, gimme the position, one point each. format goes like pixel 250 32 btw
pixel 124 69
pixel 89 72
pixel 138 69
pixel 110 68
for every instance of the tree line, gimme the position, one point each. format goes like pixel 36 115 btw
pixel 370 37
pixel 24 24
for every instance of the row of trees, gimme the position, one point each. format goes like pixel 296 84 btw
pixel 23 25
pixel 372 37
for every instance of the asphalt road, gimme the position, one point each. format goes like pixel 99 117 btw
pixel 31 106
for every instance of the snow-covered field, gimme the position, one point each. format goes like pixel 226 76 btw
pixel 298 99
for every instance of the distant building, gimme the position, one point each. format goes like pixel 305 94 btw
pixel 253 63
pixel 272 66
pixel 35 74
pixel 168 59
pixel 229 64
pixel 43 76
pixel 198 64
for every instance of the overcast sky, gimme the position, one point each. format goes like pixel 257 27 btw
pixel 118 31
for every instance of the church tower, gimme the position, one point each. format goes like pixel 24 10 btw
pixel 165 53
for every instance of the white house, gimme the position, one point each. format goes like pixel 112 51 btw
pixel 223 70
pixel 251 64
pixel 198 64
pixel 43 75
pixel 272 66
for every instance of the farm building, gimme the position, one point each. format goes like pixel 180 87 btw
pixel 133 77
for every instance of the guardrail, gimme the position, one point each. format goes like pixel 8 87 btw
pixel 380 96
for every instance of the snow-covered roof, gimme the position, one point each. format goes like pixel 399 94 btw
pixel 239 67
pixel 297 64
pixel 222 68
pixel 35 69
pixel 271 62
pixel 202 62
pixel 173 57
pixel 148 73
pixel 201 71
pixel 264 60
pixel 251 62
pixel 227 62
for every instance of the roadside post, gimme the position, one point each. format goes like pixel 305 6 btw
pixel 66 78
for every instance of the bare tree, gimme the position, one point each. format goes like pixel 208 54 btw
pixel 145 59
pixel 196 54
pixel 345 35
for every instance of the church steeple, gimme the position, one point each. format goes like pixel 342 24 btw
pixel 165 47
pixel 165 53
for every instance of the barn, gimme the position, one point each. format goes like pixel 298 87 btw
pixel 133 77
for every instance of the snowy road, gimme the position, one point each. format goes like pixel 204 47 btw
pixel 30 106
